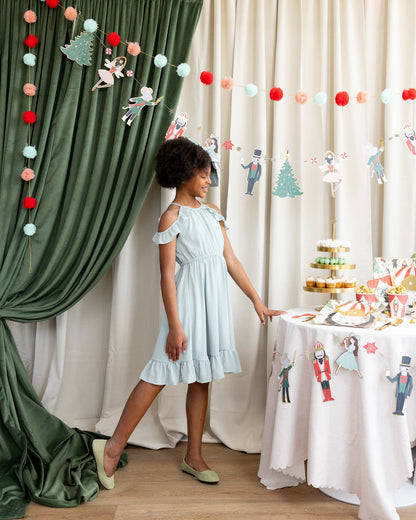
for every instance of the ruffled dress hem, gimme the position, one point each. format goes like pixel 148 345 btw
pixel 200 371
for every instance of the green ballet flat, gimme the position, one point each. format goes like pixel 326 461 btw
pixel 207 477
pixel 98 446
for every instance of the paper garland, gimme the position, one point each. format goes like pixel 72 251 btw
pixel 286 184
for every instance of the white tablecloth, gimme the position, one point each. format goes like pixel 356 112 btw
pixel 353 443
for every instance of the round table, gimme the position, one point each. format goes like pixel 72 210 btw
pixel 352 440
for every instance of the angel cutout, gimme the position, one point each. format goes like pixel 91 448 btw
pixel 106 76
pixel 332 170
pixel 347 359
pixel 374 162
pixel 138 103
pixel 409 136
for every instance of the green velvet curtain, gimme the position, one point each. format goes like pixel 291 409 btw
pixel 92 175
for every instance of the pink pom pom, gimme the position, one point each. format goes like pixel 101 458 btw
pixel 276 93
pixel 29 117
pixel 301 97
pixel 206 77
pixel 342 98
pixel 52 3
pixel 29 89
pixel 113 39
pixel 70 14
pixel 30 16
pixel 27 174
pixel 362 96
pixel 227 83
pixel 133 48
pixel 29 202
pixel 31 41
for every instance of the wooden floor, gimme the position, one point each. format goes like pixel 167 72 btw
pixel 152 486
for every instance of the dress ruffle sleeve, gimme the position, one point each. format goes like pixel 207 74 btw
pixel 218 216
pixel 164 237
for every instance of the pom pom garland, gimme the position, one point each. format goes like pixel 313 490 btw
pixel 160 61
pixel 29 89
pixel 405 95
pixel 206 77
pixel 29 229
pixel 70 14
pixel 387 96
pixel 320 98
pixel 251 89
pixel 183 70
pixel 342 98
pixel 27 174
pixel 133 48
pixel 301 97
pixel 412 93
pixel 90 25
pixel 29 202
pixel 29 152
pixel 276 93
pixel 227 83
pixel 29 117
pixel 31 41
pixel 52 3
pixel 362 97
pixel 29 59
pixel 113 39
pixel 30 16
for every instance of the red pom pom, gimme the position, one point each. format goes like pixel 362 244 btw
pixel 113 39
pixel 31 41
pixel 342 98
pixel 206 77
pixel 29 202
pixel 52 3
pixel 29 117
pixel 405 95
pixel 412 93
pixel 276 93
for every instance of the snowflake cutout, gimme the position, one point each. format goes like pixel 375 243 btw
pixel 228 145
pixel 370 348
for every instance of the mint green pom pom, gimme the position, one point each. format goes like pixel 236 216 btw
pixel 183 70
pixel 320 98
pixel 90 25
pixel 160 61
pixel 251 89
pixel 387 96
pixel 29 59
pixel 29 229
pixel 29 152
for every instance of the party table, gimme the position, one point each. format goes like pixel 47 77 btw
pixel 342 424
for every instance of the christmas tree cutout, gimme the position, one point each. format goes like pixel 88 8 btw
pixel 80 49
pixel 286 184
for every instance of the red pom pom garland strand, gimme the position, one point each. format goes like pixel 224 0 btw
pixel 29 117
pixel 206 77
pixel 276 94
pixel 52 3
pixel 342 98
pixel 31 41
pixel 113 39
pixel 29 202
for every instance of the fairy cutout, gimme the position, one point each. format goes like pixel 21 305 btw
pixel 409 136
pixel 374 162
pixel 284 376
pixel 348 360
pixel 331 168
pixel 138 103
pixel 106 76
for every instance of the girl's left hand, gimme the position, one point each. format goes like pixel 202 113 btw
pixel 263 312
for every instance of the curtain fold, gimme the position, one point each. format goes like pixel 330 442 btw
pixel 93 173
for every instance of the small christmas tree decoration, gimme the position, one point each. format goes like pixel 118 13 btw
pixel 80 49
pixel 286 184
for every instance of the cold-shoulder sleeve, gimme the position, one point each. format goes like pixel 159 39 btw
pixel 164 237
pixel 218 216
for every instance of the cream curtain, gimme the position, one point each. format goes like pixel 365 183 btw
pixel 84 363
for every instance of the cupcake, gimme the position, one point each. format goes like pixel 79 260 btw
pixel 339 282
pixel 310 281
pixel 350 282
pixel 320 282
pixel 330 283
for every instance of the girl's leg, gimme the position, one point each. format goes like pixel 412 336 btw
pixel 196 410
pixel 136 406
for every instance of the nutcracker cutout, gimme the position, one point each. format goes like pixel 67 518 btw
pixel 404 384
pixel 177 127
pixel 322 370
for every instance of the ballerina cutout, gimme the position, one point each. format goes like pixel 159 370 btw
pixel 348 360
pixel 332 170
pixel 106 76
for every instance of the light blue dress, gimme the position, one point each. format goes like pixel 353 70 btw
pixel 203 303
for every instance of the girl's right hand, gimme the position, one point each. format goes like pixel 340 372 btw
pixel 175 343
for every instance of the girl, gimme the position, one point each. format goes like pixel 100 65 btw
pixel 196 340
